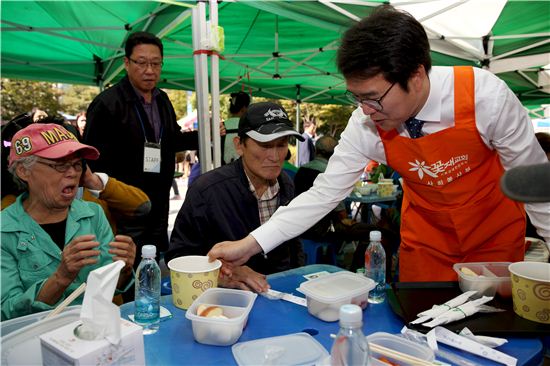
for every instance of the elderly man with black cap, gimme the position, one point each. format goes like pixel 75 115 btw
pixel 229 202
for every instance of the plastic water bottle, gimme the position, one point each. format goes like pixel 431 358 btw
pixel 147 299
pixel 350 346
pixel 375 267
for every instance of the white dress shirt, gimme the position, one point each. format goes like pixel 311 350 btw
pixel 501 120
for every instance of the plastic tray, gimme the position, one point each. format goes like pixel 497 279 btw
pixel 492 278
pixel 22 346
pixel 326 294
pixel 291 349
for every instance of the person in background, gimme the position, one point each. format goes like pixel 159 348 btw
pixel 228 202
pixel 133 125
pixel 450 132
pixel 238 104
pixel 81 123
pixel 306 148
pixel 544 141
pixel 288 167
pixel 37 114
pixel 50 240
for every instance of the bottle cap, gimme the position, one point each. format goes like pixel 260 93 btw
pixel 351 314
pixel 149 251
pixel 375 236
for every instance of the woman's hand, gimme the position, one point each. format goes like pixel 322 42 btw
pixel 79 253
pixel 124 249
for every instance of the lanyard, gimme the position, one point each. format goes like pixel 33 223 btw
pixel 143 127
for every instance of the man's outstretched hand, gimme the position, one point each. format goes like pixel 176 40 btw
pixel 234 253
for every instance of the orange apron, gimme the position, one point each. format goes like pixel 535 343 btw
pixel 453 209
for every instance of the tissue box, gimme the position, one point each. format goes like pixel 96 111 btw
pixel 63 347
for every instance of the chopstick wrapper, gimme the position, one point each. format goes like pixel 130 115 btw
pixel 437 310
pixel 491 342
pixel 100 317
pixel 458 312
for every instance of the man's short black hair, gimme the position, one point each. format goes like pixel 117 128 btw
pixel 389 41
pixel 238 101
pixel 138 38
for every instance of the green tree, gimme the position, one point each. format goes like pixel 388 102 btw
pixel 19 96
pixel 77 98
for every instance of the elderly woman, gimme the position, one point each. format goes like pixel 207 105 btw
pixel 50 241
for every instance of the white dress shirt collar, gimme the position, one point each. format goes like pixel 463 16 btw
pixel 431 111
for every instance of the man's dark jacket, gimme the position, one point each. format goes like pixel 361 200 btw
pixel 114 128
pixel 218 207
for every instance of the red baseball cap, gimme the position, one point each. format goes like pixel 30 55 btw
pixel 49 141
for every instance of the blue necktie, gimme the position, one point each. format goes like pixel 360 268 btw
pixel 414 126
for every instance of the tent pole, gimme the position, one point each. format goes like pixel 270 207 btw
pixel 201 87
pixel 298 101
pixel 215 87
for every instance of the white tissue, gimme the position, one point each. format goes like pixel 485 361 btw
pixel 100 317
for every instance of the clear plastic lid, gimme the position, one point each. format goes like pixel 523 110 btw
pixel 148 251
pixel 291 349
pixel 336 287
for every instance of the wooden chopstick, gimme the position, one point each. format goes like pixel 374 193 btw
pixel 399 356
pixel 76 293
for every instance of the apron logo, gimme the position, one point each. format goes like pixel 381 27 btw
pixel 421 168
pixel 433 170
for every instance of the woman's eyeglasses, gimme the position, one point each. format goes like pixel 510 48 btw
pixel 63 167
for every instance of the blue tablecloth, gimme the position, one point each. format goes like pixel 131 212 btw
pixel 174 343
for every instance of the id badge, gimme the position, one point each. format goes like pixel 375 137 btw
pixel 151 158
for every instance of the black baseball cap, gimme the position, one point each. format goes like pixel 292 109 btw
pixel 266 121
pixel 529 183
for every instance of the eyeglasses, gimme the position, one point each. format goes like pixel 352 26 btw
pixel 375 104
pixel 63 167
pixel 142 64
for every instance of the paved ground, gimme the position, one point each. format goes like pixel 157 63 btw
pixel 175 205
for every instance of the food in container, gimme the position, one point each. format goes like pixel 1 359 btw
pixel 222 315
pixel 326 294
pixel 487 278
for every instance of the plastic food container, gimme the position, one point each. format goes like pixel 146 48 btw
pixel 399 344
pixel 490 278
pixel 291 349
pixel 11 325
pixel 235 304
pixel 22 346
pixel 326 294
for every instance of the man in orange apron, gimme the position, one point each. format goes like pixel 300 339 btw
pixel 449 132
pixel 454 215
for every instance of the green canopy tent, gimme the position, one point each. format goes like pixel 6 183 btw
pixel 276 49
pixel 271 47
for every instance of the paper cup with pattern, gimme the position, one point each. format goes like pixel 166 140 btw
pixel 531 290
pixel 191 276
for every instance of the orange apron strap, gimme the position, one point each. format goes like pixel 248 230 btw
pixel 464 93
